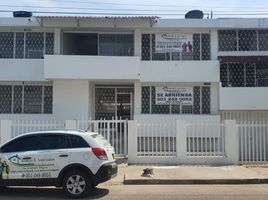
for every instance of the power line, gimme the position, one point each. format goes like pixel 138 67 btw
pixel 151 5
pixel 135 14
pixel 132 10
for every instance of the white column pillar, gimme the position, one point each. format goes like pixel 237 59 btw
pixel 137 98
pixel 181 128
pixel 57 41
pixel 137 42
pixel 71 124
pixel 232 141
pixel 132 141
pixel 214 44
pixel 214 103
pixel 5 130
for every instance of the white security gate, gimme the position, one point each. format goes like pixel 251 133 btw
pixel 115 131
pixel 253 143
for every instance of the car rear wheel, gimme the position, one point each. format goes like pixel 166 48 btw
pixel 76 184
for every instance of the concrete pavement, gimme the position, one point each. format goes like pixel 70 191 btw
pixel 192 175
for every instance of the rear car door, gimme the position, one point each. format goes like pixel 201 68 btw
pixel 53 154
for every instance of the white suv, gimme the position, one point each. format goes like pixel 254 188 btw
pixel 74 160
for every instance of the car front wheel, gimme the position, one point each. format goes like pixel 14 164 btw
pixel 76 184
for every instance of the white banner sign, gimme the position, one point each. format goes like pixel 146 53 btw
pixel 173 42
pixel 168 95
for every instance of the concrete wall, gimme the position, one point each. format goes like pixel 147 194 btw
pixel 180 71
pixel 243 98
pixel 70 99
pixel 21 70
pixel 91 67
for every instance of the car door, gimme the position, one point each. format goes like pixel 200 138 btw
pixel 17 158
pixel 53 154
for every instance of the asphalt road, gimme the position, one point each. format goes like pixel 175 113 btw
pixel 140 192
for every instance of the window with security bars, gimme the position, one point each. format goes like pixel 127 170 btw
pixel 201 102
pixel 26 99
pixel 201 49
pixel 239 74
pixel 26 44
pixel 116 44
pixel 243 40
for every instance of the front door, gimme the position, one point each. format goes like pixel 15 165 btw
pixel 124 105
pixel 113 102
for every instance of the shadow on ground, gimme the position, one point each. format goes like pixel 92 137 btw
pixel 45 193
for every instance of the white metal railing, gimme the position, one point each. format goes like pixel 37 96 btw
pixel 156 139
pixel 115 131
pixel 19 127
pixel 205 140
pixel 253 143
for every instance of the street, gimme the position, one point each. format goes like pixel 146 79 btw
pixel 106 191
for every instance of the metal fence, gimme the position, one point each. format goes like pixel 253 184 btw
pixel 253 143
pixel 205 140
pixel 19 127
pixel 156 139
pixel 115 131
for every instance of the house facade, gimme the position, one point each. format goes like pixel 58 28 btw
pixel 57 67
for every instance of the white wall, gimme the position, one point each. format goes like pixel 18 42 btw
pixel 21 70
pixel 214 98
pixel 180 71
pixel 243 98
pixel 70 99
pixel 91 67
pixel 187 117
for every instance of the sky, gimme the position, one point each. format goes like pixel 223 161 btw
pixel 161 8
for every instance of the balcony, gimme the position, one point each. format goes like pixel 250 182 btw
pixel 243 98
pixel 21 69
pixel 180 71
pixel 91 67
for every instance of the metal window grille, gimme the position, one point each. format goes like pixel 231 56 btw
pixel 201 49
pixel 6 44
pixel 30 99
pixel 5 98
pixel 26 44
pixel 48 99
pixel 34 45
pixel 244 74
pixel 49 41
pixel 201 104
pixel 243 40
pixel 19 45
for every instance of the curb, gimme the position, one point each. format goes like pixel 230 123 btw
pixel 193 181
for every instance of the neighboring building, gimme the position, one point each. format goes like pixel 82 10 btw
pixel 56 67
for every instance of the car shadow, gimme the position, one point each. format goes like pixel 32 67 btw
pixel 45 193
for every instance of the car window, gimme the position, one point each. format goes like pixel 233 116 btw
pixel 54 141
pixel 27 143
pixel 78 142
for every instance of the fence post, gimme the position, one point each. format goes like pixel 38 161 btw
pixel 71 124
pixel 132 141
pixel 181 139
pixel 5 130
pixel 232 141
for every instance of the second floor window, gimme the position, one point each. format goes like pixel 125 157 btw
pixel 200 49
pixel 243 40
pixel 26 44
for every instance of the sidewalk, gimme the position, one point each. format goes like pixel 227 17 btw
pixel 192 175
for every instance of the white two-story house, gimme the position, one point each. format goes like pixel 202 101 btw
pixel 66 67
